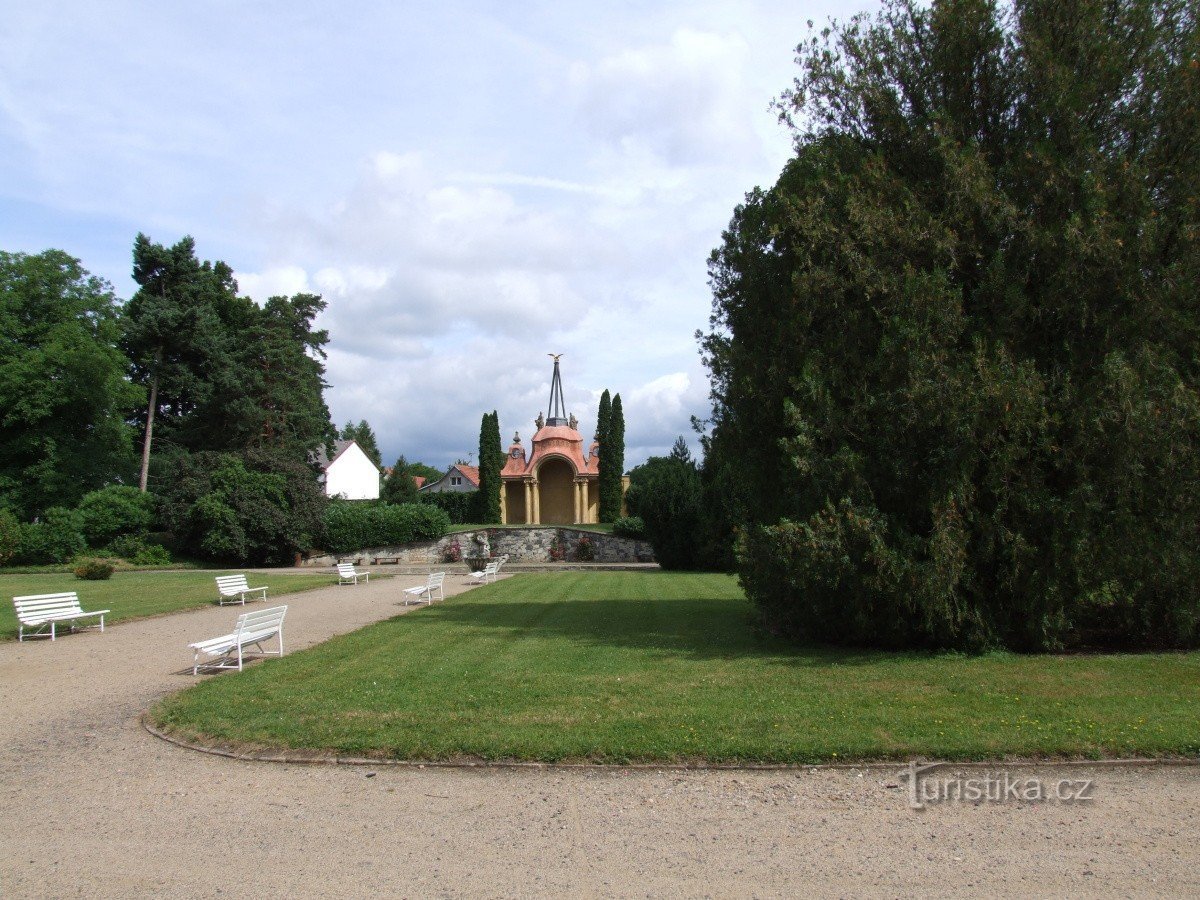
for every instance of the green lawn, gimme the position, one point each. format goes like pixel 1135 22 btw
pixel 667 667
pixel 133 595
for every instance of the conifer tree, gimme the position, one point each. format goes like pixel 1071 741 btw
pixel 614 459
pixel 603 424
pixel 491 461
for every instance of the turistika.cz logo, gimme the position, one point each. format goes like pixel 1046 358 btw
pixel 926 788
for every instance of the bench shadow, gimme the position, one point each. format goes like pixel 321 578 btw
pixel 702 628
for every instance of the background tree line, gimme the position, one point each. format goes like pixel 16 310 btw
pixel 223 396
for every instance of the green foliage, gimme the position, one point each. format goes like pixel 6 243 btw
pixel 365 437
pixel 421 470
pixel 228 374
pixel 351 526
pixel 114 511
pixel 138 551
pixel 630 527
pixel 56 537
pixel 94 569
pixel 953 348
pixel 253 507
pixel 665 494
pixel 491 461
pixel 611 434
pixel 10 536
pixel 399 486
pixel 605 512
pixel 458 506
pixel 63 394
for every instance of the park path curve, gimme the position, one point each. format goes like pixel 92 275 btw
pixel 95 806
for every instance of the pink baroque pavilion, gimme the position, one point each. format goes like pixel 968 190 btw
pixel 556 482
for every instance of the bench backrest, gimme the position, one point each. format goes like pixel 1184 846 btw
pixel 261 620
pixel 232 584
pixel 346 569
pixel 492 568
pixel 436 579
pixel 35 606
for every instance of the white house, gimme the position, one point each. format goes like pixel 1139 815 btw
pixel 350 474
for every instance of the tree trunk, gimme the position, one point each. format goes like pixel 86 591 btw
pixel 144 477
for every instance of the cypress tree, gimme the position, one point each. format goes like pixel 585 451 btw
pixel 491 461
pixel 603 423
pixel 611 487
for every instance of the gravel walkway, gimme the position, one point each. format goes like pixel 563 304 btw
pixel 95 806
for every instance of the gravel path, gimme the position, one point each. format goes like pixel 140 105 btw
pixel 95 806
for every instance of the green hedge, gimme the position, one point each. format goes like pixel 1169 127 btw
pixel 353 526
pixel 458 506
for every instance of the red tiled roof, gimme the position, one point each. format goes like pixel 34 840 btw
pixel 471 473
pixel 420 480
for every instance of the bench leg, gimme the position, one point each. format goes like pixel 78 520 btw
pixel 196 663
pixel 51 631
pixel 102 624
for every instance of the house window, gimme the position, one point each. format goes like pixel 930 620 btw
pixel 456 480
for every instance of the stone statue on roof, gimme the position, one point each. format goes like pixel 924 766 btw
pixel 540 422
pixel 573 423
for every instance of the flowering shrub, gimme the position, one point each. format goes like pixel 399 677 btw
pixel 585 550
pixel 93 569
pixel 558 549
pixel 453 553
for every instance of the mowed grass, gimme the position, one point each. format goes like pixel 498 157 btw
pixel 623 667
pixel 134 595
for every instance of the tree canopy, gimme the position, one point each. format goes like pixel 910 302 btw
pixel 63 392
pixel 954 347
pixel 365 437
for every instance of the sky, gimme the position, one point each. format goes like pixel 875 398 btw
pixel 469 185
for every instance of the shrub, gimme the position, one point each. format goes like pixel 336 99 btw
pixel 585 549
pixel 350 526
pixel 630 527
pixel 453 552
pixel 666 496
pixel 56 538
pixel 152 555
pixel 558 549
pixel 93 569
pixel 458 506
pixel 113 512
pixel 257 506
pixel 10 536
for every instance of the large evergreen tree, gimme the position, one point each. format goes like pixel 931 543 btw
pixel 614 471
pixel 603 426
pixel 954 347
pixel 63 391
pixel 491 461
pixel 399 486
pixel 176 333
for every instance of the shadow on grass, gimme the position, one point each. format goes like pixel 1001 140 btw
pixel 700 628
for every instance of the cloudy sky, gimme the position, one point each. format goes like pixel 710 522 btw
pixel 470 185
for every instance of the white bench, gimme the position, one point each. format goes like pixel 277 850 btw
pixel 490 571
pixel 251 630
pixel 40 611
pixel 348 575
pixel 233 589
pixel 426 590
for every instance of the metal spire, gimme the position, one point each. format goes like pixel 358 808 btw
pixel 556 414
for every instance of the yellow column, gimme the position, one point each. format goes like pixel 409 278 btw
pixel 575 495
pixel 528 503
pixel 504 501
pixel 537 503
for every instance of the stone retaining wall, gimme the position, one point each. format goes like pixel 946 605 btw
pixel 521 545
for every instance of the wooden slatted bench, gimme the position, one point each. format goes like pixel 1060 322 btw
pixel 47 610
pixel 234 588
pixel 387 560
pixel 251 630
